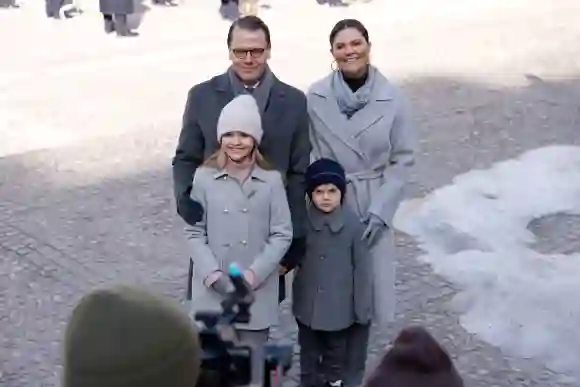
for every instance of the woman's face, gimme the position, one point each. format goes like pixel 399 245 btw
pixel 237 146
pixel 351 52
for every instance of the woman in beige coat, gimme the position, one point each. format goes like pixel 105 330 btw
pixel 246 221
pixel 360 120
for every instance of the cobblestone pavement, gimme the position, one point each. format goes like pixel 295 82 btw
pixel 100 211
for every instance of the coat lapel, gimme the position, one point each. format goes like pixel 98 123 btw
pixel 324 105
pixel 223 88
pixel 274 107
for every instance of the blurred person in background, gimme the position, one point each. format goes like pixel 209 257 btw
pixel 127 337
pixel 115 14
pixel 416 359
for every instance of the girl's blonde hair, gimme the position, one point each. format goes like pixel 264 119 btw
pixel 218 160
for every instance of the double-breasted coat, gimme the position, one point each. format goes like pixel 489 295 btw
pixel 118 7
pixel 331 288
pixel 247 223
pixel 376 148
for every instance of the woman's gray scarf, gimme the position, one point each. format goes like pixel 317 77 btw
pixel 348 102
pixel 261 92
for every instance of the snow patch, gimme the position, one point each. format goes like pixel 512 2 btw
pixel 475 234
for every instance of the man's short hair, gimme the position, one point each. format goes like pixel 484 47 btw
pixel 250 23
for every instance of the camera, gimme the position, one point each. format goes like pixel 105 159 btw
pixel 225 361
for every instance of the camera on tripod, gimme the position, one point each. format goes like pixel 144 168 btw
pixel 225 361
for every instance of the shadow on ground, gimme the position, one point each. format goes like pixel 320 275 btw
pixel 104 210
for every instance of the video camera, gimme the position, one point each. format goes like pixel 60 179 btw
pixel 225 361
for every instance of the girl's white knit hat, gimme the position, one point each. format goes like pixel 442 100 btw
pixel 241 114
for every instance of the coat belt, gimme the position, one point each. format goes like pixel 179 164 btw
pixel 353 177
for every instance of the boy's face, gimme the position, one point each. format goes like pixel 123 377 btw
pixel 326 197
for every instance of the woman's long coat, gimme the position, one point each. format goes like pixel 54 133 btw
pixel 376 148
pixel 120 7
pixel 248 224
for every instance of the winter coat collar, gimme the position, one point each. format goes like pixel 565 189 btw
pixel 383 90
pixel 257 173
pixel 318 219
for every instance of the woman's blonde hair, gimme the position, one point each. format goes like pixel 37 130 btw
pixel 219 158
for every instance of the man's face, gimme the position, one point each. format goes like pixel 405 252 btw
pixel 249 53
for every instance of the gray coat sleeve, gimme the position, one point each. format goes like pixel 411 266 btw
pixel 361 261
pixel 403 142
pixel 280 234
pixel 190 148
pixel 299 161
pixel 202 256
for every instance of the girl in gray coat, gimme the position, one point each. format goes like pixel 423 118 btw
pixel 331 289
pixel 246 220
pixel 359 119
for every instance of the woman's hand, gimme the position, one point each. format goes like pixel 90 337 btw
pixel 374 229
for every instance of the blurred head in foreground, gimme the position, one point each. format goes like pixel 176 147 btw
pixel 415 360
pixel 126 337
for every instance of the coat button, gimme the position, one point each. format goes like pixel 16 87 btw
pixel 322 257
pixel 245 210
pixel 244 243
pixel 226 211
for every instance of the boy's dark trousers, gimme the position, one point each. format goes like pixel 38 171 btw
pixel 357 348
pixel 323 355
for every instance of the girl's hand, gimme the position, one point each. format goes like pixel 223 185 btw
pixel 213 277
pixel 250 277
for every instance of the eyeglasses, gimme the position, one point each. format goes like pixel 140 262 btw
pixel 242 53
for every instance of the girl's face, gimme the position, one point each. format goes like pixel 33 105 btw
pixel 238 146
pixel 326 197
pixel 351 52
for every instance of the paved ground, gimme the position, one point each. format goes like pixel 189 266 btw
pixel 95 207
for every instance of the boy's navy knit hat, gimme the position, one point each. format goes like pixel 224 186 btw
pixel 325 171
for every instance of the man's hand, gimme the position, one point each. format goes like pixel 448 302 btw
pixel 374 228
pixel 190 210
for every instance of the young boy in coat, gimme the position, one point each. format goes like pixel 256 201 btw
pixel 332 287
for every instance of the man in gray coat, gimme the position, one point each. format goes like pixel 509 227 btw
pixel 286 141
pixel 115 16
